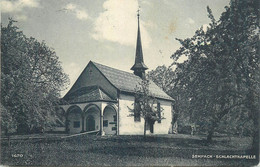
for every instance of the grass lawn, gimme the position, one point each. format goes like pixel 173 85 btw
pixel 123 150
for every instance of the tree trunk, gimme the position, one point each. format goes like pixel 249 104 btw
pixel 210 134
pixel 217 120
pixel 9 142
pixel 174 120
pixel 212 129
pixel 6 131
pixel 255 117
pixel 255 143
pixel 144 128
pixel 252 104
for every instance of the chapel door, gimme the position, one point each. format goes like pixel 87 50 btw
pixel 149 126
pixel 90 123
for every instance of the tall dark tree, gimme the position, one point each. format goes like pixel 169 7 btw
pixel 221 75
pixel 31 79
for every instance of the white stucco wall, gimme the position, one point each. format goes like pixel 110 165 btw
pixel 127 125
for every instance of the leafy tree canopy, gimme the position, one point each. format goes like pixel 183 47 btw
pixel 218 86
pixel 221 75
pixel 31 79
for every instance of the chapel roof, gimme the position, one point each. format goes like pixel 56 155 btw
pixel 127 82
pixel 87 94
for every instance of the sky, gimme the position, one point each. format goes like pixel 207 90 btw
pixel 105 31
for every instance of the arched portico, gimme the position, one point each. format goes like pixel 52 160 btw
pixel 74 119
pixel 91 118
pixel 110 120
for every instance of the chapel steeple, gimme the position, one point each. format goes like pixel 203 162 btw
pixel 139 67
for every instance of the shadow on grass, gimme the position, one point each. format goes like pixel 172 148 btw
pixel 87 149
pixel 158 152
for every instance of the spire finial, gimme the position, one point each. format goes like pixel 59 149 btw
pixel 138 12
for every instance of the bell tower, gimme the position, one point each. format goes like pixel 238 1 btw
pixel 139 67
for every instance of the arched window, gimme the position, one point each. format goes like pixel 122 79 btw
pixel 159 112
pixel 137 110
pixel 110 120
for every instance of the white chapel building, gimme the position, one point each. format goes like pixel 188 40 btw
pixel 100 98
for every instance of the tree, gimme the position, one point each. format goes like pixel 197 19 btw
pixel 164 77
pixel 31 79
pixel 221 75
pixel 7 122
pixel 144 105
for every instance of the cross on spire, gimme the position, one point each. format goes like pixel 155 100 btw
pixel 138 12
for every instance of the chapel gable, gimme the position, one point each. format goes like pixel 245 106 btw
pixel 92 76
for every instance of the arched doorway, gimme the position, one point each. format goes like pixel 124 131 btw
pixel 90 123
pixel 92 118
pixel 110 121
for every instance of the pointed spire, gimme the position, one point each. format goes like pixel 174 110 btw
pixel 139 67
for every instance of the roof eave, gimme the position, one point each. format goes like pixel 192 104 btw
pixel 87 101
pixel 139 66
pixel 133 93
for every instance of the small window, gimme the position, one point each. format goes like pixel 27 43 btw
pixel 159 112
pixel 90 72
pixel 105 123
pixel 137 109
pixel 113 128
pixel 76 124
